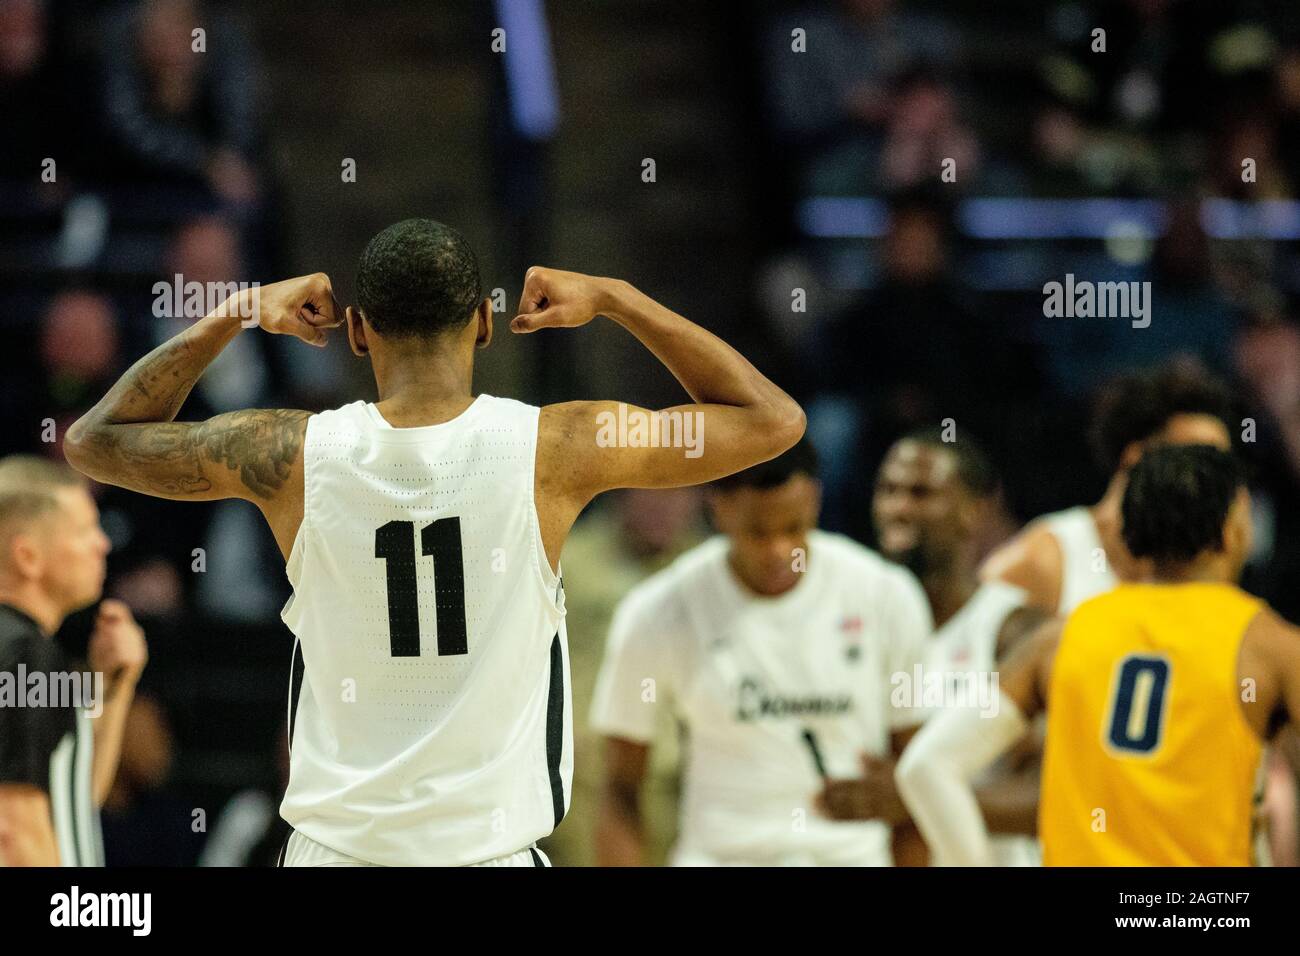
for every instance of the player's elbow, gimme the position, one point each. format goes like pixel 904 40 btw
pixel 785 426
pixel 76 444
pixel 926 765
pixel 909 772
pixel 80 445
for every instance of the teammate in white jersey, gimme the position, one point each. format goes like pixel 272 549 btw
pixel 774 644
pixel 1064 558
pixel 422 533
pixel 930 504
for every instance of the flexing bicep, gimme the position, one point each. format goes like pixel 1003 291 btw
pixel 252 454
pixel 590 447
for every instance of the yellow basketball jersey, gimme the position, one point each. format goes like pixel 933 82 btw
pixel 1149 760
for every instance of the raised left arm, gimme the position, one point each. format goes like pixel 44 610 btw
pixel 130 438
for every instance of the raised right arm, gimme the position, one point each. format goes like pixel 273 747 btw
pixel 739 418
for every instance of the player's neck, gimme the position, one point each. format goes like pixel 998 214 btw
pixel 1108 507
pixel 418 388
pixel 1210 569
pixel 754 588
pixel 47 615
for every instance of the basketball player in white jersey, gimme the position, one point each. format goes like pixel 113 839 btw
pixel 422 533
pixel 1064 558
pixel 931 501
pixel 774 645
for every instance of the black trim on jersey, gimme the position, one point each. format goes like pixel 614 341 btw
pixel 75 805
pixel 284 849
pixel 555 728
pixel 537 857
pixel 297 672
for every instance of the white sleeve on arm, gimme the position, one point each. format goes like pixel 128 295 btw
pixel 934 778
pixel 633 679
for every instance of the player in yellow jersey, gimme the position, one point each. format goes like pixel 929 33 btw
pixel 1159 695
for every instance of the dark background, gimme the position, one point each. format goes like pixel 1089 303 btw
pixel 774 171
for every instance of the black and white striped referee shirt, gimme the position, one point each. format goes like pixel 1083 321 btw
pixel 47 746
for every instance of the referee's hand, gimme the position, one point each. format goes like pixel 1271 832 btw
pixel 117 647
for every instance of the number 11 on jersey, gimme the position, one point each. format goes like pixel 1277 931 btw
pixel 395 545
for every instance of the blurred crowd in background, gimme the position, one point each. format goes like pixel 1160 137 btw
pixel 884 295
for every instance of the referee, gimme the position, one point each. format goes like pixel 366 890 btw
pixel 60 732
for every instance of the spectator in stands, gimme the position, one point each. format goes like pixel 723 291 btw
pixel 925 131
pixel 911 351
pixel 53 365
pixel 28 85
pixel 1267 358
pixel 79 346
pixel 834 102
pixel 901 348
pixel 1287 91
pixel 176 114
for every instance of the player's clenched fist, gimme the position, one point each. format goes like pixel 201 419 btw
pixel 554 299
pixel 117 647
pixel 304 307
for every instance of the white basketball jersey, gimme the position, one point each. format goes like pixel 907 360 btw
pixel 1085 572
pixel 768 688
pixel 967 644
pixel 433 725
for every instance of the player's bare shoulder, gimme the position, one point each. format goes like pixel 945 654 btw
pixel 565 431
pixel 1032 561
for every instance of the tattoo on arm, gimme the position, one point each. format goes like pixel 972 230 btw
pixel 130 438
pixel 155 387
pixel 157 380
pixel 245 454
pixel 261 444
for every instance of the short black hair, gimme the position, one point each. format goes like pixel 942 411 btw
pixel 974 467
pixel 1177 499
pixel 1135 406
pixel 801 459
pixel 418 278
